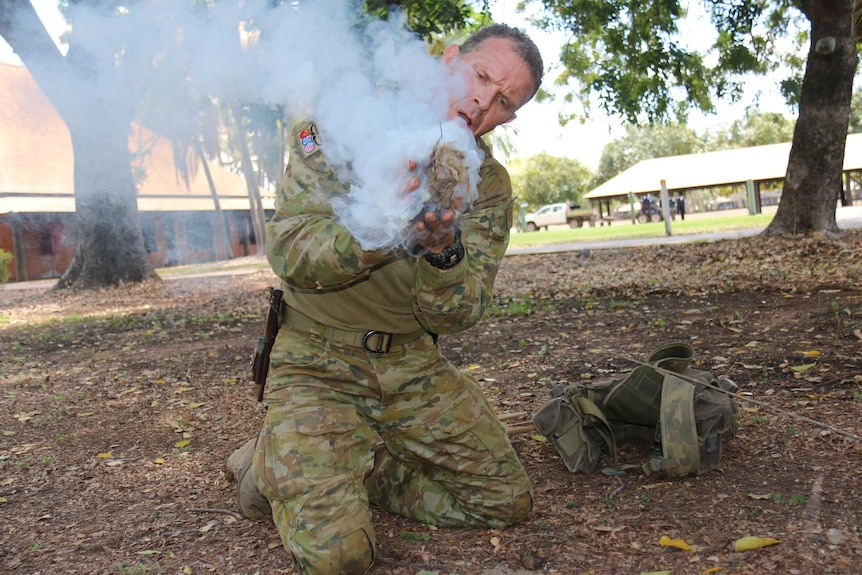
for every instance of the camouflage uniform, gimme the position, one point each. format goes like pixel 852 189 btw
pixel 347 427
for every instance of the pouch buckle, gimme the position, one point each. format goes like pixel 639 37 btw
pixel 384 341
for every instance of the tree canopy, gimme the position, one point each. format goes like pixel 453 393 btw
pixel 545 179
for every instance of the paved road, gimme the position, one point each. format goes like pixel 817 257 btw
pixel 847 217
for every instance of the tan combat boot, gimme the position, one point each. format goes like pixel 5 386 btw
pixel 251 503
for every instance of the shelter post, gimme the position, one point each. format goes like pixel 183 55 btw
pixel 632 212
pixel 753 203
pixel 665 207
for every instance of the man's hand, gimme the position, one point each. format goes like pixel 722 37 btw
pixel 433 229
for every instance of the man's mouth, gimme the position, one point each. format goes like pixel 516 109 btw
pixel 466 118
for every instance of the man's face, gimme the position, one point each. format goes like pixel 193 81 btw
pixel 497 81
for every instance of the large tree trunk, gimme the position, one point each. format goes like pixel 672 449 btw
pixel 110 248
pixel 813 180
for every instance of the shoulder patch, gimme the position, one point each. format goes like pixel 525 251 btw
pixel 308 140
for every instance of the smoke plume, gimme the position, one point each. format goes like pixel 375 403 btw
pixel 378 98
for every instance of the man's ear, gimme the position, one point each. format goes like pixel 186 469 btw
pixel 451 52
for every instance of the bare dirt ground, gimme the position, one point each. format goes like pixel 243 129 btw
pixel 119 408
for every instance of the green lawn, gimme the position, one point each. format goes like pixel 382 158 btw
pixel 700 225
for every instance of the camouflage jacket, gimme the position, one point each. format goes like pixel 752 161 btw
pixel 329 277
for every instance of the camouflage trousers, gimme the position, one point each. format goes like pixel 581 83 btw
pixel 404 430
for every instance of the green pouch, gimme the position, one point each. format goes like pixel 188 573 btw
pixel 576 428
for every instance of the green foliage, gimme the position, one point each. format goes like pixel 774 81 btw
pixel 755 129
pixel 427 17
pixel 643 143
pixel 640 65
pixel 545 179
pixel 856 113
pixel 5 260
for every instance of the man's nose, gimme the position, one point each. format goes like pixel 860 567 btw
pixel 483 98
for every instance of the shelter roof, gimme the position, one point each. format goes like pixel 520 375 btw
pixel 711 169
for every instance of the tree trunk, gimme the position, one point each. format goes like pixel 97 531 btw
pixel 222 243
pixel 813 180
pixel 258 218
pixel 110 245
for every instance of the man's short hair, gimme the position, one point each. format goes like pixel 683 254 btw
pixel 522 44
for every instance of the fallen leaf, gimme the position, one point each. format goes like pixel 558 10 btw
pixel 23 417
pixel 799 368
pixel 666 541
pixel 748 543
pixel 495 542
pixel 104 455
pixel 182 443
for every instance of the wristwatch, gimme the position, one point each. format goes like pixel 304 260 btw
pixel 450 257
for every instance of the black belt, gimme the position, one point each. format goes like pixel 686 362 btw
pixel 373 341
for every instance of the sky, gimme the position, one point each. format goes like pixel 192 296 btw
pixel 538 129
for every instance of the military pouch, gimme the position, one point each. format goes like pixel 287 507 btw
pixel 576 428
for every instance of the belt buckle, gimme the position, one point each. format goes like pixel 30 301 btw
pixel 384 342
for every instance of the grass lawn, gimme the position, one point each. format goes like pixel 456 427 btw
pixel 702 224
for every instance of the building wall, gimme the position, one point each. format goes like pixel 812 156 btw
pixel 171 238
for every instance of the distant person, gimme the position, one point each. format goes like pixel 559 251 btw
pixel 646 208
pixel 680 206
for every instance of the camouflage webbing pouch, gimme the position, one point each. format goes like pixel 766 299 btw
pixel 576 427
pixel 687 411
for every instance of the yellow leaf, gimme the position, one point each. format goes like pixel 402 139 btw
pixel 104 456
pixel 197 405
pixel 811 353
pixel 474 367
pixel 3 500
pixel 23 417
pixel 666 541
pixel 798 368
pixel 86 414
pixel 656 572
pixel 747 543
pixel 187 570
pixel 7 481
pixel 158 461
pixel 182 443
pixel 712 570
pixel 183 389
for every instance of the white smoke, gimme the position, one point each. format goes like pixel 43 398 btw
pixel 378 98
